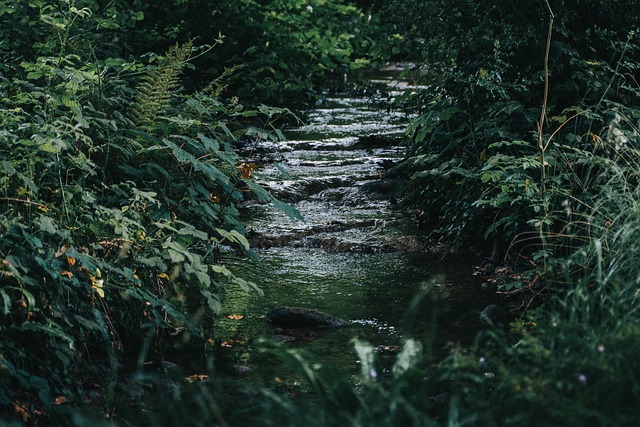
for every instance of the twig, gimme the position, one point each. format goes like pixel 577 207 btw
pixel 26 202
pixel 531 301
pixel 542 147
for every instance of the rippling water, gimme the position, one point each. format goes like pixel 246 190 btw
pixel 356 256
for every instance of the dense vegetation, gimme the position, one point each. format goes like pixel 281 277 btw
pixel 121 128
pixel 526 148
pixel 120 173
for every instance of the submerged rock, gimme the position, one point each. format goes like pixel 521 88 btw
pixel 376 141
pixel 383 189
pixel 303 317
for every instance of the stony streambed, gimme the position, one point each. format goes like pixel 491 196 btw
pixel 357 255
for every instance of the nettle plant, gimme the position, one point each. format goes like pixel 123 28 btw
pixel 117 189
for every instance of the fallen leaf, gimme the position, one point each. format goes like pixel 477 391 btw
pixel 245 169
pixel 64 248
pixel 67 274
pixel 197 377
pixel 59 400
pixel 235 317
pixel 21 412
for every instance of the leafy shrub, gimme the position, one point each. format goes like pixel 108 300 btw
pixel 481 156
pixel 117 189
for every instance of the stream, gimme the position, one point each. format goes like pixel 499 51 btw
pixel 357 255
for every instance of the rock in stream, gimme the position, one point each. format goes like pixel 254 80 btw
pixel 298 317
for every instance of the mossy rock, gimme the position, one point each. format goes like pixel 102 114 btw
pixel 298 317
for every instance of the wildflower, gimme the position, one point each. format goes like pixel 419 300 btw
pixel 310 8
pixel 373 374
pixel 600 348
pixel 582 378
pixel 481 360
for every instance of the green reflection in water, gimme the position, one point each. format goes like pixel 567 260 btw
pixel 376 292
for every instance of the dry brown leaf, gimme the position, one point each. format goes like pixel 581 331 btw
pixel 197 377
pixel 60 400
pixel 63 249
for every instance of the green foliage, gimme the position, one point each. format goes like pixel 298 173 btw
pixel 570 363
pixel 474 155
pixel 286 49
pixel 117 189
pixel 559 187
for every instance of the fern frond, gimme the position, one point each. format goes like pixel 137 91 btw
pixel 157 87
pixel 216 87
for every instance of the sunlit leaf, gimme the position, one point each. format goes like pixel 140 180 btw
pixel 97 285
pixel 367 355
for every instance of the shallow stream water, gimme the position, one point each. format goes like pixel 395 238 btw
pixel 357 255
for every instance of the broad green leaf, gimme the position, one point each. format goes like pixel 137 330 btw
pixel 265 196
pixel 235 237
pixel 51 328
pixel 6 301
pixel 175 256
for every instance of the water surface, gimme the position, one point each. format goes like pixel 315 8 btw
pixel 356 255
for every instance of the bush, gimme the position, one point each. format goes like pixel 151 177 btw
pixel 481 156
pixel 117 190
